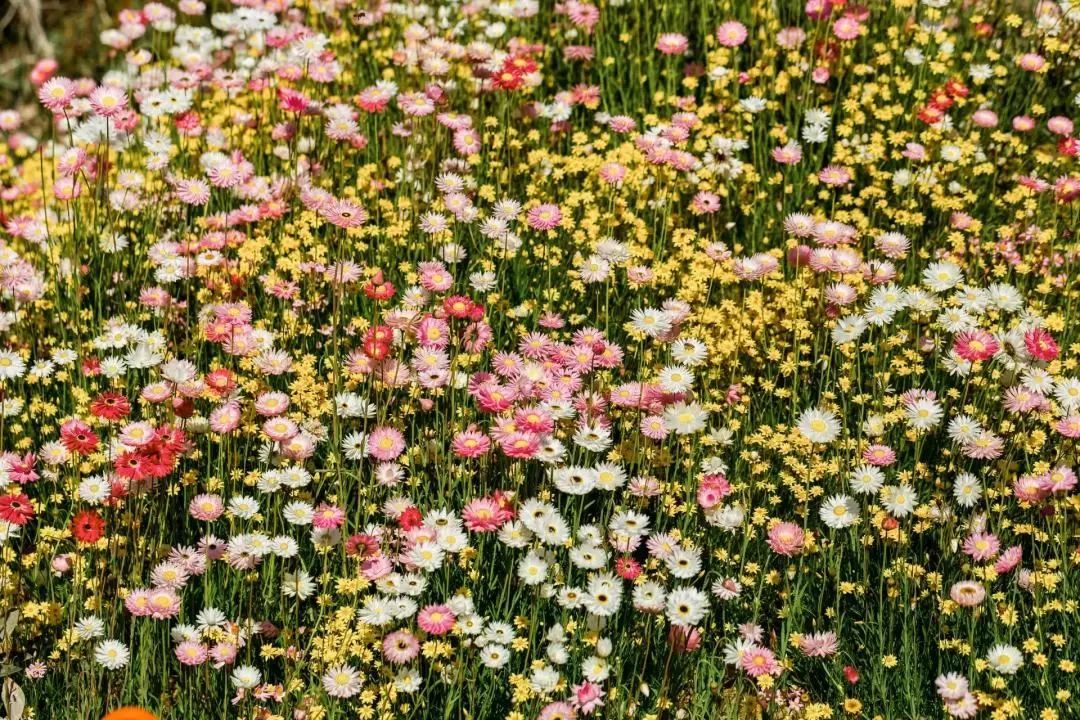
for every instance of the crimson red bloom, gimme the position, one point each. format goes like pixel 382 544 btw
pixel 379 291
pixel 519 65
pixel 87 526
pixel 956 89
pixel 1041 344
pixel 627 568
pixel 458 306
pixel 851 674
pixel 132 465
pixel 110 406
pixel 16 509
pixel 507 80
pixel 221 382
pixel 411 518
pixel 931 115
pixel 78 438
pixel 940 100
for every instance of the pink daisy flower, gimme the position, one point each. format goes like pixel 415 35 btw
pixel 190 652
pixel 206 507
pixel 975 345
pixel 672 43
pixel 385 443
pixel 400 647
pixel 470 443
pixel 544 217
pixel 834 175
pixel 1009 559
pixel 786 538
pixel 759 661
pixel 436 619
pixel 846 28
pixel 879 455
pixel 981 546
pixel 328 516
pixel 821 644
pixel 731 33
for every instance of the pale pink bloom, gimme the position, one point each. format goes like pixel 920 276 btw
pixel 385 443
pixel 190 652
pixel 786 538
pixel 672 44
pixel 731 33
pixel 436 619
pixel 967 593
pixel 821 644
pixel 400 647
pixel 206 507
pixel 759 661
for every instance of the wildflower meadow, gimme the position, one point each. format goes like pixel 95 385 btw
pixel 537 360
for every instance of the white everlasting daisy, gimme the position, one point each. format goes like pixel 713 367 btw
pixel 964 429
pixel 819 426
pixel 1005 659
pixel 532 569
pixel 676 379
pixel 1067 392
pixel 687 606
pixel 685 418
pixel 651 322
pixel 839 511
pixel 689 351
pixel 683 563
pixel 11 365
pixel 243 506
pixel 297 585
pixel 112 654
pixel 942 276
pixel 299 513
pixel 494 656
pixel 848 329
pixel 246 677
pixel 342 681
pixel 967 490
pixel 924 414
pixel 956 320
pixel 899 500
pixel 866 479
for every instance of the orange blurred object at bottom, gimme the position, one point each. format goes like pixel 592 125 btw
pixel 130 713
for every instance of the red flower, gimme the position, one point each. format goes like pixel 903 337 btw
pixel 172 439
pixel 1041 344
pixel 627 568
pixel 940 100
pixel 91 366
pixel 956 89
pixel 380 290
pixel 411 518
pixel 851 674
pixel 931 115
pixel 87 526
pixel 132 465
pixel 78 438
pixel 458 306
pixel 221 382
pixel 16 509
pixel 975 345
pixel 292 101
pixel 110 406
pixel 519 65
